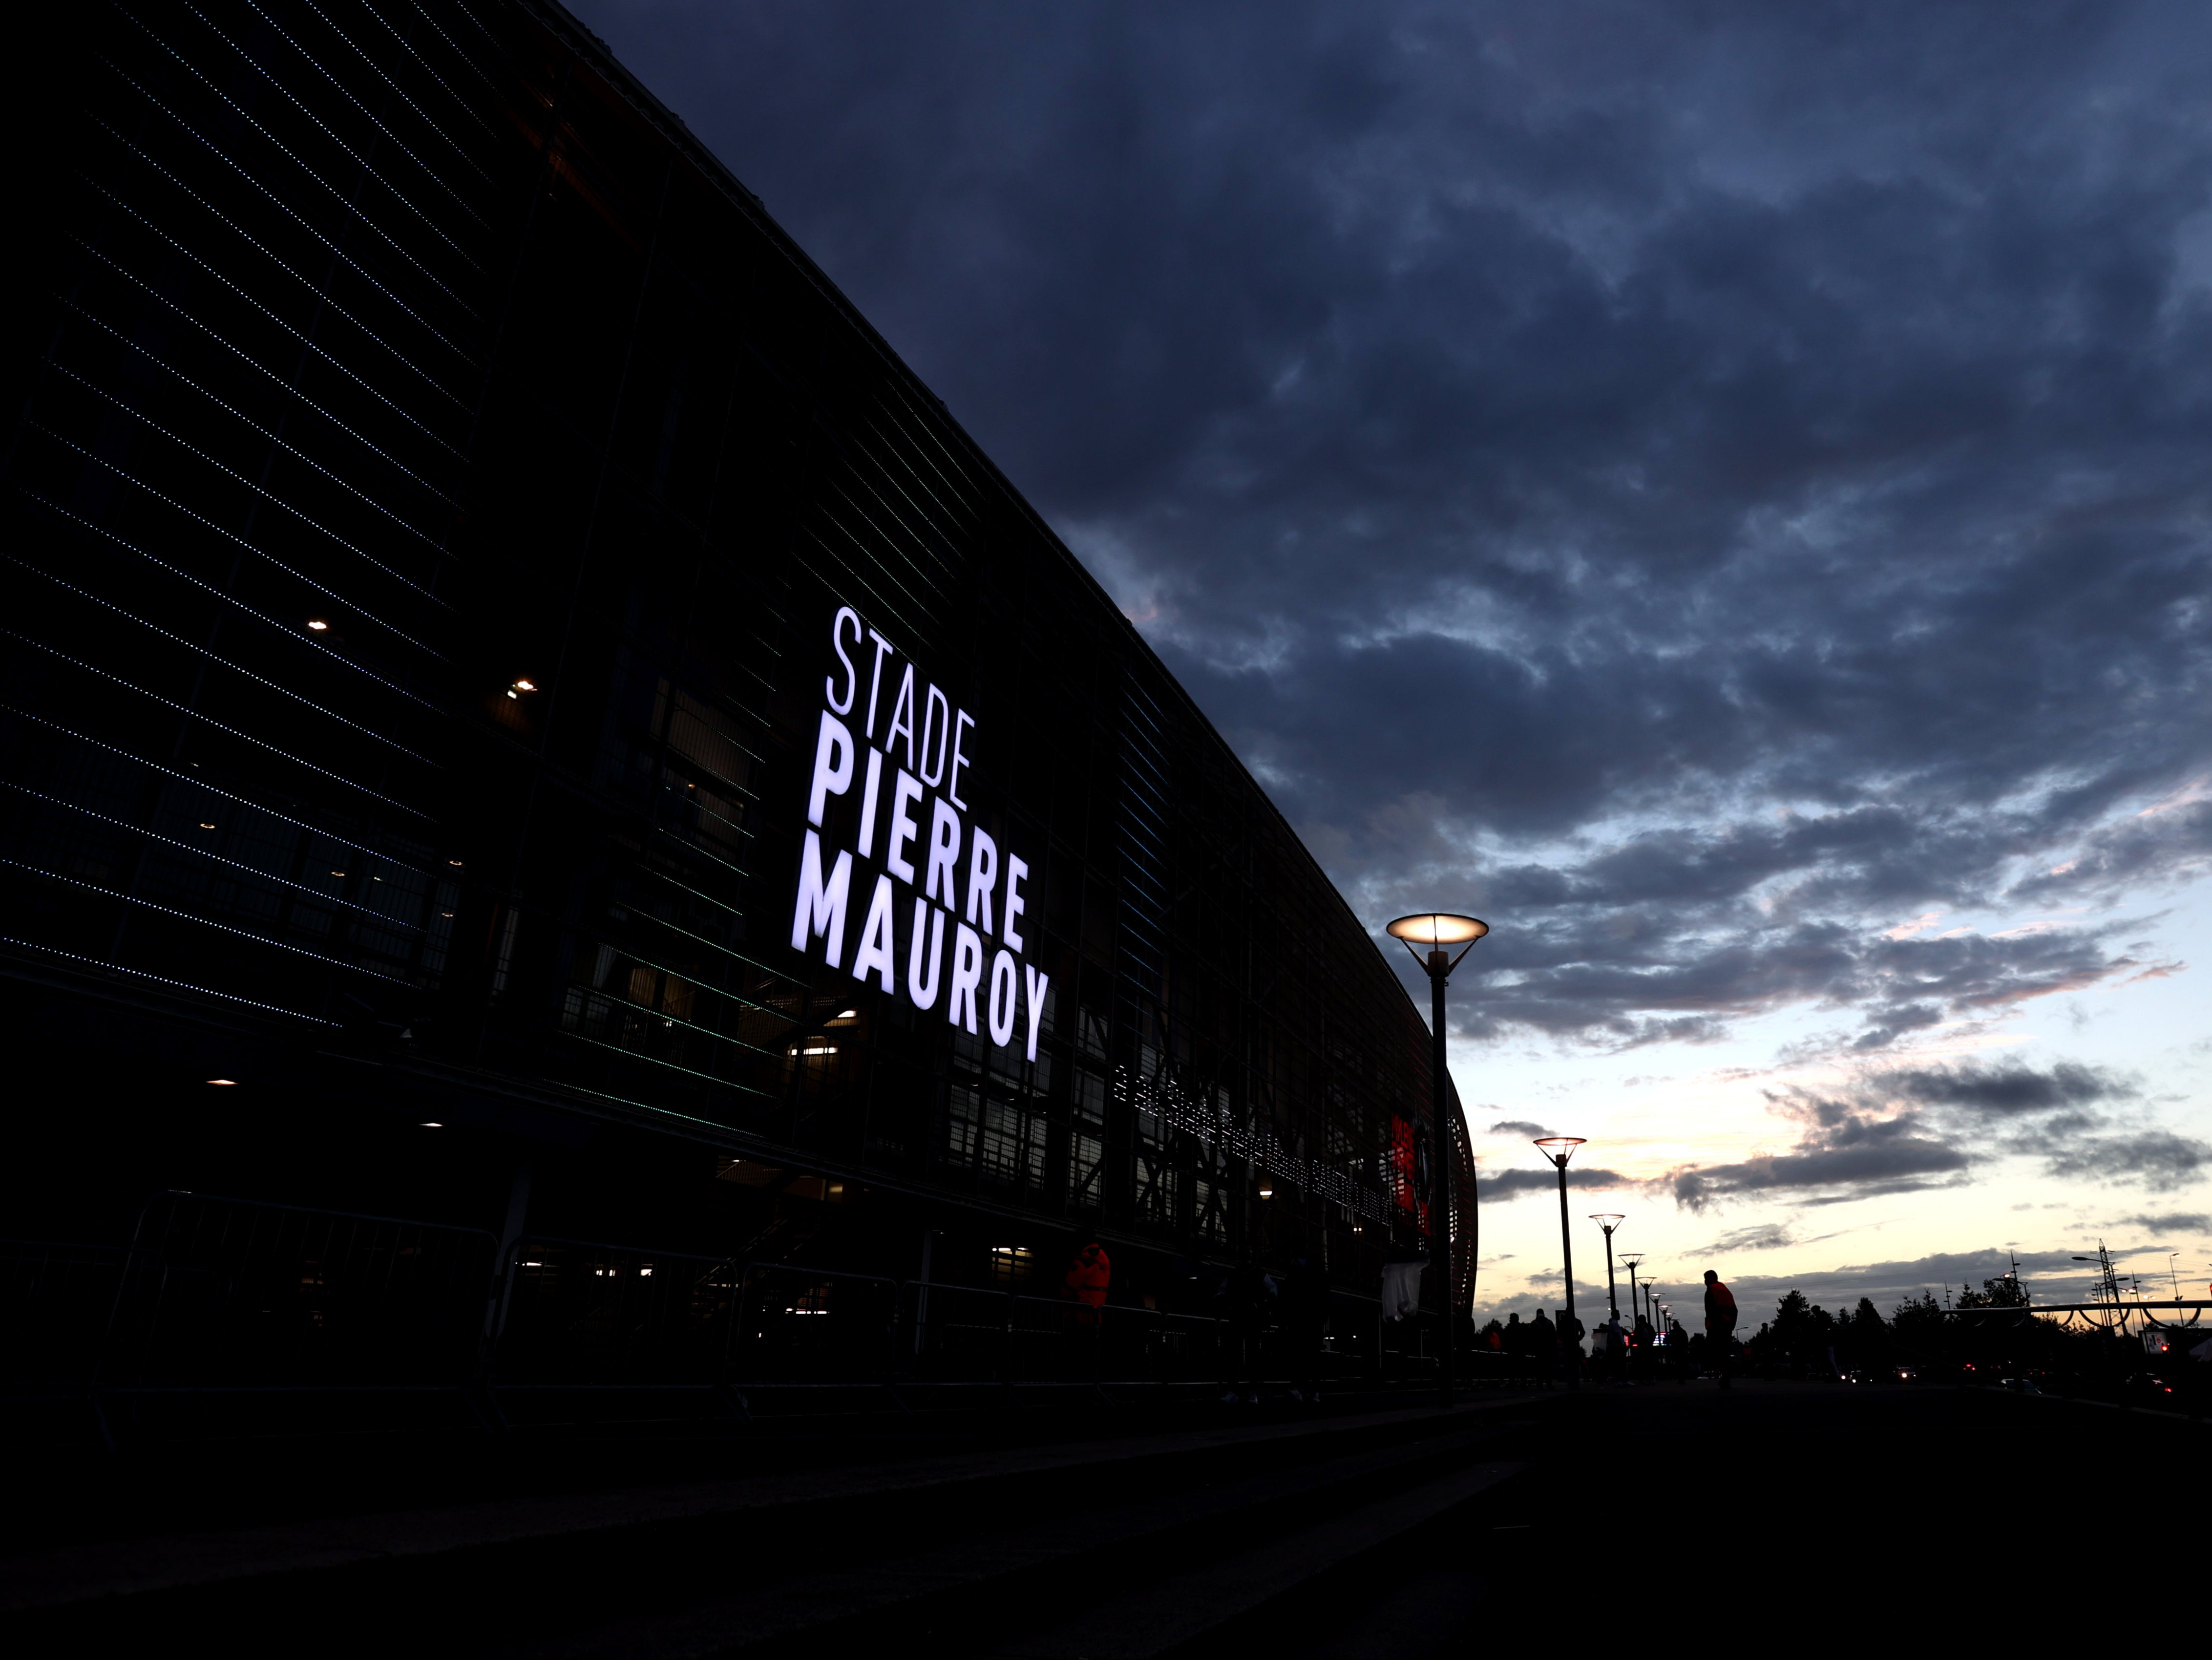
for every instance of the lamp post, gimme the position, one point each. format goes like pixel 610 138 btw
pixel 1438 931
pixel 1609 1221
pixel 2173 1272
pixel 1629 1259
pixel 1559 1149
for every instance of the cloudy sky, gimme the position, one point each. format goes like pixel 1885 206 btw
pixel 1723 492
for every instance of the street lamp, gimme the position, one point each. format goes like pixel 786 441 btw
pixel 1609 1221
pixel 1439 930
pixel 2173 1272
pixel 1559 1149
pixel 1629 1259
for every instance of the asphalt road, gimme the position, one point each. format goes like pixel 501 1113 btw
pixel 1806 1516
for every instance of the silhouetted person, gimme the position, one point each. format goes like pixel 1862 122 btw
pixel 1543 1346
pixel 1720 1323
pixel 1677 1351
pixel 1572 1332
pixel 1088 1276
pixel 1514 1340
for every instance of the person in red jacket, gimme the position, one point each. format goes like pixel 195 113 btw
pixel 1720 1324
pixel 1086 1282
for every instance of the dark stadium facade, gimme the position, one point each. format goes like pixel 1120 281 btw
pixel 523 715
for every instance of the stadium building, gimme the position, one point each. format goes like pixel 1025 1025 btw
pixel 537 756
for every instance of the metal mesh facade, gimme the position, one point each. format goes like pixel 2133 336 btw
pixel 429 521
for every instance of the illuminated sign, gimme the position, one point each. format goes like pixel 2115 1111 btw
pixel 940 923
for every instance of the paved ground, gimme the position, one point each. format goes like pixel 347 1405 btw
pixel 1779 1514
pixel 1807 1515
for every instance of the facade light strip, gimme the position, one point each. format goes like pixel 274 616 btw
pixel 236 800
pixel 373 228
pixel 320 290
pixel 354 155
pixel 291 391
pixel 307 342
pixel 194 714
pixel 209 588
pixel 255 872
pixel 235 668
pixel 274 501
pixel 398 91
pixel 408 47
pixel 161 979
pixel 304 223
pixel 206 922
pixel 292 450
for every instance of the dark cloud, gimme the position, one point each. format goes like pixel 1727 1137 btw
pixel 1859 1161
pixel 1518 1127
pixel 2155 1158
pixel 2008 1089
pixel 1763 1236
pixel 2173 1221
pixel 1903 1129
pixel 1759 450
pixel 1494 1185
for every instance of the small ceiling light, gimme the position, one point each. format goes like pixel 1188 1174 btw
pixel 1266 1188
pixel 511 692
pixel 207 824
pixel 225 1083
pixel 318 625
pixel 430 1124
pixel 525 685
pixel 454 862
pixel 338 873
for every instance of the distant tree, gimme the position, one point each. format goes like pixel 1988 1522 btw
pixel 1799 1336
pixel 2003 1292
pixel 1919 1322
pixel 1862 1336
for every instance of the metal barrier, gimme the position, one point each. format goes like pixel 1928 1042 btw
pixel 956 1333
pixel 237 1297
pixel 218 1292
pixel 798 1325
pixel 580 1313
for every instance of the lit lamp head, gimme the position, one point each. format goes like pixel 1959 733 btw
pixel 1438 931
pixel 1608 1220
pixel 1560 1148
pixel 1631 1258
